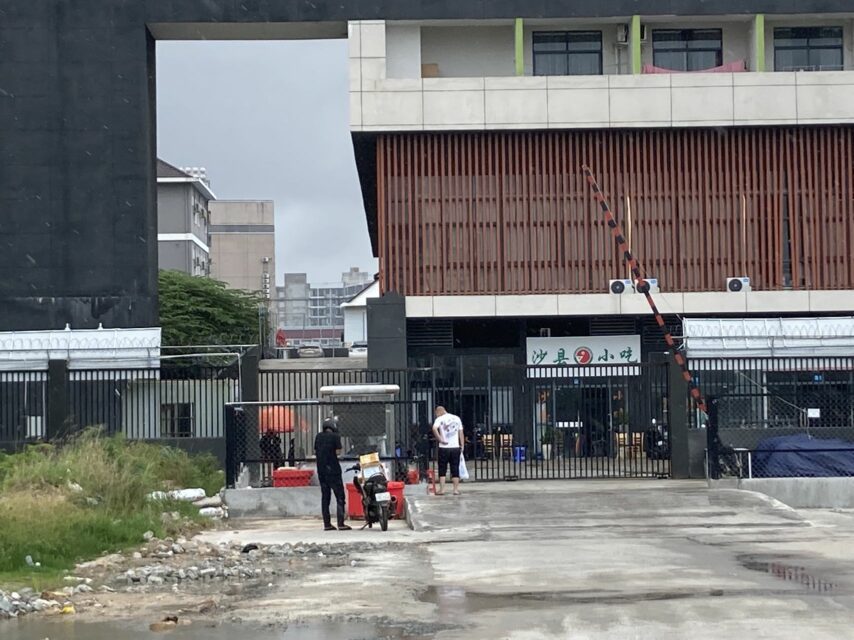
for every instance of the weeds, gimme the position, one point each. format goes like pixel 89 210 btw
pixel 60 505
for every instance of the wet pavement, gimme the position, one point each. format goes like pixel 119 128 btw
pixel 639 560
pixel 42 629
pixel 651 560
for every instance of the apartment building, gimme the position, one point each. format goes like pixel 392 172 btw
pixel 243 244
pixel 723 142
pixel 312 313
pixel 183 219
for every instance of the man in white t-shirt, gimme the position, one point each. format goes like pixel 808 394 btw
pixel 448 430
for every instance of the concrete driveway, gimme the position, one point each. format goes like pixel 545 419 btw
pixel 593 560
pixel 640 560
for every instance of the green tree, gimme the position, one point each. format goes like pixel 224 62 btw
pixel 196 311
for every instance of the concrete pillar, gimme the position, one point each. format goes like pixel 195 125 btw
pixel 678 407
pixel 387 332
pixel 250 426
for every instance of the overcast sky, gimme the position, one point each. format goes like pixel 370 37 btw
pixel 269 121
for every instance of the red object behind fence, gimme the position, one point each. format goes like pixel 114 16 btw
pixel 292 477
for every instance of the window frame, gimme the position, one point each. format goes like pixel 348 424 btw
pixel 568 52
pixel 172 420
pixel 686 49
pixel 809 48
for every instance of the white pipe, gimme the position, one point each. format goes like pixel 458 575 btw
pixel 359 389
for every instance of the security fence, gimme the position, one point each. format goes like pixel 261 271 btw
pixel 176 402
pixel 555 421
pixel 768 417
pixel 263 436
pixel 780 417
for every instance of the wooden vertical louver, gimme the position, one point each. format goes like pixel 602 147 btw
pixel 510 213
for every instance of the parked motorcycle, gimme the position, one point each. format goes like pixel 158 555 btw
pixel 372 484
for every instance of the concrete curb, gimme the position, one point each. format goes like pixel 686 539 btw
pixel 805 493
pixel 797 493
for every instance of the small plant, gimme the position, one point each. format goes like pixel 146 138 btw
pixel 548 436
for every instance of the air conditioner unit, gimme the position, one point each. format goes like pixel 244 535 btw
pixel 625 30
pixel 619 287
pixel 737 285
pixel 651 283
pixel 545 333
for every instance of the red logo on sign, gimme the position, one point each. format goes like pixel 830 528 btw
pixel 583 355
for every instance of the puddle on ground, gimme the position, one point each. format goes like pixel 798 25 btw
pixel 50 629
pixel 457 601
pixel 787 572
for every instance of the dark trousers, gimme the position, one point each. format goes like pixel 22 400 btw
pixel 330 484
pixel 449 457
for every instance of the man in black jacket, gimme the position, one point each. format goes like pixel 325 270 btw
pixel 327 448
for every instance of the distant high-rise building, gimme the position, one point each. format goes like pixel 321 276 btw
pixel 311 313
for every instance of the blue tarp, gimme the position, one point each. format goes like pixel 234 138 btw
pixel 800 456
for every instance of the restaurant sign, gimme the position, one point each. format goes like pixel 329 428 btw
pixel 585 355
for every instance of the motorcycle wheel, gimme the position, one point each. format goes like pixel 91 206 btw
pixel 384 518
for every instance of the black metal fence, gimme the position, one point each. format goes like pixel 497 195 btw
pixel 23 407
pixel 779 417
pixel 527 421
pixel 174 402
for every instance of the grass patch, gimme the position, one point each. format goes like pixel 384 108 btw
pixel 61 505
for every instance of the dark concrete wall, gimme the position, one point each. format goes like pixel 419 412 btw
pixel 387 332
pixel 77 225
pixel 78 241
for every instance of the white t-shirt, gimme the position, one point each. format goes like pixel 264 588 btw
pixel 450 426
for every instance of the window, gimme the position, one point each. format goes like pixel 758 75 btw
pixel 568 53
pixel 177 420
pixel 687 49
pixel 808 49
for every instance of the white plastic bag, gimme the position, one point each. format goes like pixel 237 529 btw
pixel 464 472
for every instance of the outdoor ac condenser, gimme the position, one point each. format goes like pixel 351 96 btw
pixel 620 287
pixel 738 285
pixel 652 283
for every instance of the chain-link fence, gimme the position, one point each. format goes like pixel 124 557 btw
pixel 263 436
pixel 808 432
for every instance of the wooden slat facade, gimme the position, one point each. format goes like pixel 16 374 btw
pixel 510 212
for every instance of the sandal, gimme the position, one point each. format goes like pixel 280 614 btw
pixel 439 493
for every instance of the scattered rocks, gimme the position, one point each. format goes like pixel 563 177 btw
pixel 215 501
pixel 26 601
pixel 104 562
pixel 208 606
pixel 148 535
pixel 230 569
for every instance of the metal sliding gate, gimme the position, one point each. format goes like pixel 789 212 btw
pixel 521 422
pixel 569 422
